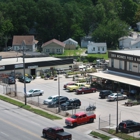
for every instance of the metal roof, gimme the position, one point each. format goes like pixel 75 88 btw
pixel 135 52
pixel 19 60
pixel 119 77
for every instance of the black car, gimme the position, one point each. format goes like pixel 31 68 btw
pixel 10 80
pixel 129 126
pixel 70 104
pixel 26 79
pixel 105 93
pixel 55 102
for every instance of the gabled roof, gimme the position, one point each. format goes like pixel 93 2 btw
pixel 28 39
pixel 125 37
pixel 70 39
pixel 97 44
pixel 54 41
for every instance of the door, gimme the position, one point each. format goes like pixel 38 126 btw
pixel 33 71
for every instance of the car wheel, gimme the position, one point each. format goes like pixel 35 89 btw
pixel 91 120
pixel 40 94
pixel 83 93
pixel 44 135
pixel 31 95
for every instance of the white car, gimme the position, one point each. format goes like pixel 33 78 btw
pixel 34 92
pixel 113 96
pixel 49 99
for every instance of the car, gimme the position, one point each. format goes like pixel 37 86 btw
pixel 113 96
pixel 11 80
pixel 104 93
pixel 128 126
pixel 114 139
pixel 50 98
pixel 71 104
pixel 34 92
pixel 56 133
pixel 26 79
pixel 68 84
pixel 60 100
pixel 83 90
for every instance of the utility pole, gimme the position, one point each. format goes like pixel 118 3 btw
pixel 58 93
pixel 23 44
pixel 117 115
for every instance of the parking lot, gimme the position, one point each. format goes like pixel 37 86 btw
pixel 103 110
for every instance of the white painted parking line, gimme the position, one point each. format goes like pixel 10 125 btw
pixel 4 133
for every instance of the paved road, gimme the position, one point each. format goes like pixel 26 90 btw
pixel 19 124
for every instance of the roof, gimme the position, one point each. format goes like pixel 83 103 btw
pixel 29 40
pixel 125 37
pixel 97 44
pixel 19 60
pixel 54 41
pixel 135 52
pixel 79 113
pixel 70 39
pixel 138 23
pixel 118 77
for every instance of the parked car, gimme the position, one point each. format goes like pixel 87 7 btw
pixel 34 92
pixel 83 90
pixel 55 102
pixel 113 96
pixel 71 104
pixel 68 84
pixel 10 80
pixel 77 86
pixel 50 98
pixel 26 79
pixel 128 126
pixel 56 133
pixel 104 93
pixel 80 118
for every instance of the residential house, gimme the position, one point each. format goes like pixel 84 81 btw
pixel 96 47
pixel 70 44
pixel 30 43
pixel 130 42
pixel 53 47
pixel 138 26
pixel 85 40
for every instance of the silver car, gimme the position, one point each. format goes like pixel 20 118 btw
pixel 113 97
pixel 34 92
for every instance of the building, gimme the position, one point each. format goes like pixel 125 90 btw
pixel 53 47
pixel 70 44
pixel 30 43
pixel 138 26
pixel 85 40
pixel 96 47
pixel 33 66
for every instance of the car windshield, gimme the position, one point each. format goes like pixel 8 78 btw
pixel 112 94
pixel 50 97
pixel 74 116
pixel 31 90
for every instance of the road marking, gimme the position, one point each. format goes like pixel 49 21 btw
pixel 22 129
pixel 4 133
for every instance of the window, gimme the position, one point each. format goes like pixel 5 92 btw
pixel 130 66
pixel 93 49
pixel 58 50
pixel 102 49
pixel 120 64
pixel 98 48
pixel 47 50
pixel 112 63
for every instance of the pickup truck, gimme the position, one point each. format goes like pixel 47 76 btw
pixel 80 118
pixel 56 133
pixel 76 86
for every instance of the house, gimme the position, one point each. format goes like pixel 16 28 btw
pixel 96 47
pixel 85 40
pixel 53 47
pixel 130 42
pixel 70 44
pixel 138 26
pixel 30 43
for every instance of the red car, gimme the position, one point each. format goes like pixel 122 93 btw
pixel 83 90
pixel 68 84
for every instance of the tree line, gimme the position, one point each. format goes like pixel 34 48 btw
pixel 104 20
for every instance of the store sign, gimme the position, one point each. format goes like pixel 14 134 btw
pixel 32 67
pixel 131 58
pixel 2 67
pixel 19 66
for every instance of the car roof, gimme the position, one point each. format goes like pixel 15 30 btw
pixel 35 89
pixel 56 128
pixel 104 90
pixel 80 113
pixel 74 99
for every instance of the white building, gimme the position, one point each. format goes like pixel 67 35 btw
pixel 70 44
pixel 96 47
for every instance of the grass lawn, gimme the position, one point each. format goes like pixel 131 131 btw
pixel 29 108
pixel 105 56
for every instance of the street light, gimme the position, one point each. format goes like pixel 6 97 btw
pixel 23 45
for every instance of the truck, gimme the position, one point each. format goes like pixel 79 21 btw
pixel 76 86
pixel 80 118
pixel 56 133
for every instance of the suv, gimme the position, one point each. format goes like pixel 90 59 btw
pixel 70 104
pixel 129 126
pixel 55 102
pixel 50 98
pixel 105 93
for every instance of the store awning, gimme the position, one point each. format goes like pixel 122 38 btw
pixel 130 80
